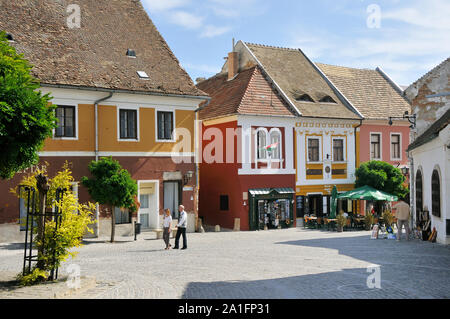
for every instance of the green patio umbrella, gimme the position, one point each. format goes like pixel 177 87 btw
pixel 368 193
pixel 333 204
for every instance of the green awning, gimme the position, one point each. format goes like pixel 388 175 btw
pixel 368 193
pixel 267 191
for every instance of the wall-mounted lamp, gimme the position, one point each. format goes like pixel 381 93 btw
pixel 411 119
pixel 187 177
pixel 405 170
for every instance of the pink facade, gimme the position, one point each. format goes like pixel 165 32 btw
pixel 387 134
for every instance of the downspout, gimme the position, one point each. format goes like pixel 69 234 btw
pixel 197 162
pixel 97 206
pixel 356 154
pixel 96 103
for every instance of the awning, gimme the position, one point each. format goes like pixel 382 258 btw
pixel 267 191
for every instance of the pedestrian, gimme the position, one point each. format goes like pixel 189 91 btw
pixel 167 226
pixel 181 228
pixel 402 212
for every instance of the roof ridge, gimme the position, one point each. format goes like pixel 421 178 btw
pixel 271 46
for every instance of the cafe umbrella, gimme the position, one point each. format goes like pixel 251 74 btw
pixel 368 193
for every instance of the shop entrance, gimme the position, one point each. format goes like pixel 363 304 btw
pixel 271 208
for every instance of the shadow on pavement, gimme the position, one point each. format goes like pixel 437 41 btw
pixel 12 246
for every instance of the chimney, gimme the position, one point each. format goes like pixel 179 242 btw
pixel 233 64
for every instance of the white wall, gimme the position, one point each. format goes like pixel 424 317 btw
pixel 436 155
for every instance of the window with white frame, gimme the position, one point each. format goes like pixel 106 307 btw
pixel 338 150
pixel 275 143
pixel 261 143
pixel 375 146
pixel 66 121
pixel 313 149
pixel 165 125
pixel 128 124
pixel 395 146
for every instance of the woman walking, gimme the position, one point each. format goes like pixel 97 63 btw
pixel 167 225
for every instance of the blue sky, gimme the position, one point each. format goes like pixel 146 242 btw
pixel 406 38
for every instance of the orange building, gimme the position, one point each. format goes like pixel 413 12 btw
pixel 119 92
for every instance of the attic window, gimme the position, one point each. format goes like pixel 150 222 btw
pixel 131 53
pixel 304 98
pixel 143 75
pixel 9 37
pixel 327 99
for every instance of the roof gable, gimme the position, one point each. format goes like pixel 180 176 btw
pixel 94 55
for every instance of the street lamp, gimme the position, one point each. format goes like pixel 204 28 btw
pixel 411 119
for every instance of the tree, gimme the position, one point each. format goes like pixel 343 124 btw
pixel 382 176
pixel 26 117
pixel 56 244
pixel 111 185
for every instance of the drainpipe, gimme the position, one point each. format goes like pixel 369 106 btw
pixel 356 152
pixel 97 206
pixel 96 103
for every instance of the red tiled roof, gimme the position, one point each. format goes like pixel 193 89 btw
pixel 248 93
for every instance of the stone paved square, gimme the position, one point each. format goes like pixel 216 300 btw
pixel 285 264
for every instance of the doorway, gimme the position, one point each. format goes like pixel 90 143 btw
pixel 316 205
pixel 172 199
pixel 148 211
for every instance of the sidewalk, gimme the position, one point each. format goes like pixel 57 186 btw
pixel 10 289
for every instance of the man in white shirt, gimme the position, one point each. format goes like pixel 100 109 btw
pixel 182 224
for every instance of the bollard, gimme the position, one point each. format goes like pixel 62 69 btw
pixel 137 230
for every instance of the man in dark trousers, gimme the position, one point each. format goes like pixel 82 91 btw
pixel 182 224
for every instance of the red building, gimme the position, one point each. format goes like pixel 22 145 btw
pixel 239 177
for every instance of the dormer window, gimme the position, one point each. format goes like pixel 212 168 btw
pixel 9 37
pixel 304 98
pixel 327 99
pixel 131 53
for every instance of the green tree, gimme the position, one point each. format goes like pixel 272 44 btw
pixel 382 176
pixel 26 118
pixel 111 185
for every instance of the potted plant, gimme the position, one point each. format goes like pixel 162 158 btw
pixel 341 221
pixel 368 221
pixel 388 218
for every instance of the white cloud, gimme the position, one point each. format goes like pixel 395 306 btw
pixel 210 31
pixel 186 20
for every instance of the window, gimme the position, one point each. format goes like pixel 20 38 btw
pixel 261 143
pixel 224 202
pixel 165 125
pixel 304 98
pixel 123 216
pixel 375 146
pixel 66 121
pixel 313 150
pixel 338 150
pixel 327 99
pixel 128 124
pixel 436 194
pixel 419 194
pixel 395 146
pixel 275 141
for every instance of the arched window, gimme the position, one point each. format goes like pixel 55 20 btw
pixel 261 143
pixel 436 194
pixel 275 143
pixel 419 193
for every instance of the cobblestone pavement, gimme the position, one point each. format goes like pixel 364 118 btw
pixel 293 263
